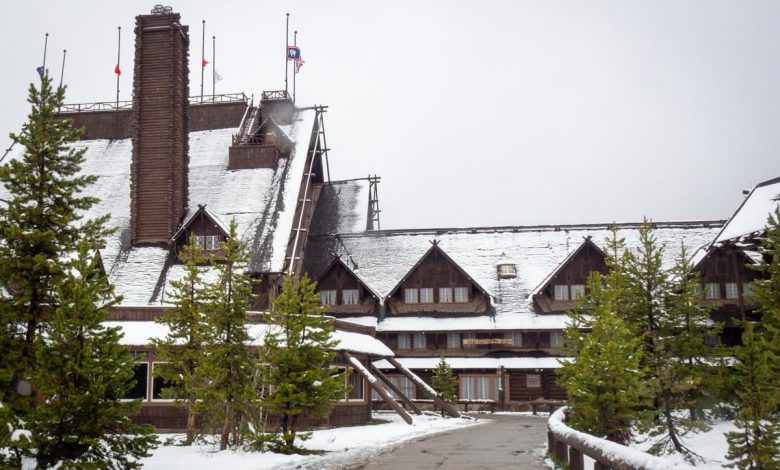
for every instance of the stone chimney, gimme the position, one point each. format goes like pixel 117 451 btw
pixel 159 127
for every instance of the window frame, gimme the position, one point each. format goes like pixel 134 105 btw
pixel 408 343
pixel 562 289
pixel 558 341
pixel 529 378
pixel 492 382
pixel 450 342
pixel 731 290
pixel 146 394
pixel 712 291
pixel 411 299
pixel 212 243
pixel 396 379
pixel 328 292
pixel 576 291
pixel 446 295
pixel 461 289
pixel 428 291
pixel 352 299
pixel 151 386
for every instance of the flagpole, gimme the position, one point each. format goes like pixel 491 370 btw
pixel 45 45
pixel 295 67
pixel 62 72
pixel 213 67
pixel 202 58
pixel 118 55
pixel 286 43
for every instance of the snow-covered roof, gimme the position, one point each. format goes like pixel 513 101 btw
pixel 752 214
pixel 342 207
pixel 476 362
pixel 261 200
pixel 141 333
pixel 542 285
pixel 382 258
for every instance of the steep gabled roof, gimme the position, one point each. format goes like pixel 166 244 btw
pixel 337 260
pixel 192 217
pixel 271 124
pixel 435 248
pixel 704 253
pixel 751 216
pixel 546 281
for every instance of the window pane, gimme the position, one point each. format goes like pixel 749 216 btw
pixel 327 297
pixel 404 341
pixel 747 289
pixel 419 341
pixel 356 381
pixel 562 292
pixel 200 241
pixel 212 242
pixel 461 294
pixel 158 384
pixel 467 388
pixel 426 295
pixel 453 340
pixel 469 336
pixel 350 296
pixel 533 381
pixel 731 290
pixel 445 294
pixel 410 296
pixel 577 290
pixel 712 290
pixel 138 390
pixel 556 339
pixel 515 336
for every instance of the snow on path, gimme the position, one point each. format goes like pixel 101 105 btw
pixel 342 446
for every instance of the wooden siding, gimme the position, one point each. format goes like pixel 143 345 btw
pixel 575 271
pixel 242 157
pixel 339 278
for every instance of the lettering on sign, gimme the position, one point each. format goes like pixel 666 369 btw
pixel 506 341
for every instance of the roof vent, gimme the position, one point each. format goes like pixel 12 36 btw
pixel 507 271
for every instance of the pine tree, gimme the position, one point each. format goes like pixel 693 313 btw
pixel 756 444
pixel 445 382
pixel 767 290
pixel 295 358
pixel 182 351
pixel 83 372
pixel 39 225
pixel 226 398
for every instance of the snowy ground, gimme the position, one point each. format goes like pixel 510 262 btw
pixel 710 445
pixel 343 446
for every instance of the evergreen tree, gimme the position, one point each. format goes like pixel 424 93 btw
pixel 445 382
pixel 767 290
pixel 756 444
pixel 297 350
pixel 83 372
pixel 182 351
pixel 39 225
pixel 226 397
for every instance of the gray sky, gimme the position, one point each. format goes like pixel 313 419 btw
pixel 476 113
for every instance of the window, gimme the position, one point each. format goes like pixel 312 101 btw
pixel 212 242
pixel 507 271
pixel 461 294
pixel 533 381
pixel 419 341
pixel 711 340
pixel 731 290
pixel 556 339
pixel 355 380
pixel 478 387
pixel 140 381
pixel 410 296
pixel 561 292
pixel 328 297
pixel 159 384
pixel 712 290
pixel 405 385
pixel 515 336
pixel 445 295
pixel 577 290
pixel 426 295
pixel 453 341
pixel 469 336
pixel 200 241
pixel 747 289
pixel 404 341
pixel 350 296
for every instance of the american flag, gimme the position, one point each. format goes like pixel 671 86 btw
pixel 298 64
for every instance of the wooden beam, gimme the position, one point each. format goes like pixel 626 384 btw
pixel 396 390
pixel 374 383
pixel 424 387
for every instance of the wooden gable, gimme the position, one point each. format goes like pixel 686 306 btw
pixel 202 223
pixel 725 276
pixel 436 270
pixel 338 277
pixel 269 133
pixel 572 271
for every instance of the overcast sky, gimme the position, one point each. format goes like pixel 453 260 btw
pixel 476 113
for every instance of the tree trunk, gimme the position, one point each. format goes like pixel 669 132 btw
pixel 223 442
pixel 191 420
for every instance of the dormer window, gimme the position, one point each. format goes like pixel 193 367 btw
pixel 426 295
pixel 712 290
pixel 445 295
pixel 461 294
pixel 328 297
pixel 731 290
pixel 207 242
pixel 577 291
pixel 507 271
pixel 410 296
pixel 350 296
pixel 561 292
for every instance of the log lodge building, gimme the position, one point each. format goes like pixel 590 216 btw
pixel 490 299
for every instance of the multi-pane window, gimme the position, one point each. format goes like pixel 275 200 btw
pixel 507 271
pixel 445 295
pixel 404 341
pixel 577 290
pixel 200 242
pixel 747 289
pixel 410 296
pixel 405 385
pixel 478 387
pixel 350 296
pixel 731 290
pixel 328 297
pixel 140 381
pixel 461 294
pixel 356 381
pixel 159 384
pixel 515 336
pixel 453 340
pixel 419 341
pixel 561 292
pixel 212 242
pixel 556 339
pixel 712 290
pixel 533 381
pixel 426 295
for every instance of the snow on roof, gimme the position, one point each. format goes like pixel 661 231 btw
pixel 261 200
pixel 384 257
pixel 476 362
pixel 141 333
pixel 752 214
pixel 341 208
pixel 563 263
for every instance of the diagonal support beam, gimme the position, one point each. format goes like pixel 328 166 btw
pixel 424 387
pixel 376 385
pixel 396 390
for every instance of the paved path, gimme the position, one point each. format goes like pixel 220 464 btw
pixel 510 441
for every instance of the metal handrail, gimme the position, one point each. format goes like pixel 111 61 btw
pixel 276 95
pixel 222 98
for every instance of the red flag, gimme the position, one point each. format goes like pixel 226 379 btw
pixel 116 70
pixel 204 62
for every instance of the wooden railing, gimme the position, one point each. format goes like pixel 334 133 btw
pixel 276 95
pixel 119 105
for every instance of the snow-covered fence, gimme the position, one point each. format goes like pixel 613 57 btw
pixel 570 446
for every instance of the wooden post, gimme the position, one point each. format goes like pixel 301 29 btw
pixel 576 462
pixel 380 390
pixel 396 390
pixel 425 388
pixel 560 451
pixel 550 442
pixel 599 466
